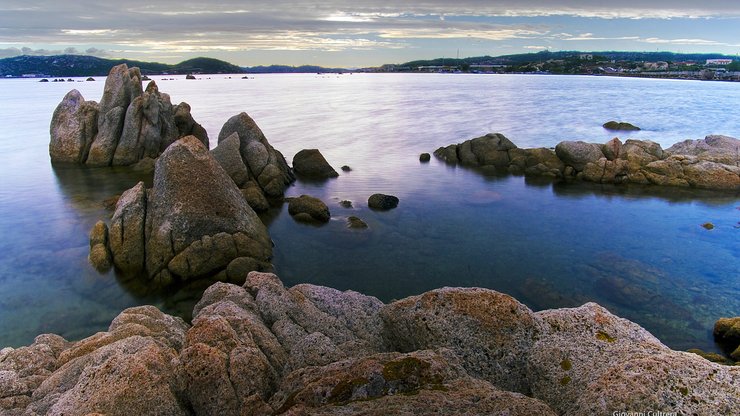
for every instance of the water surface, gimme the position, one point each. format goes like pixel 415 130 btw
pixel 640 252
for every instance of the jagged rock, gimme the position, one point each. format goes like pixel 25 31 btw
pixel 266 165
pixel 315 209
pixel 382 201
pixel 490 332
pixel 578 154
pixel 73 127
pixel 355 222
pixel 194 209
pixel 620 125
pixel 127 126
pixel 310 163
pixel 227 154
pixel 127 230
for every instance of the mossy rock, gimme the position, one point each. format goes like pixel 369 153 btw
pixel 620 126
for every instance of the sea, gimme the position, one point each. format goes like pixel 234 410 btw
pixel 639 251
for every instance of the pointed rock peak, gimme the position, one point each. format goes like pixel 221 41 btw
pixel 152 87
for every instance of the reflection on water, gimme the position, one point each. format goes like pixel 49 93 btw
pixel 639 251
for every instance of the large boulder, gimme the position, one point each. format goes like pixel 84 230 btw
pixel 193 223
pixel 310 163
pixel 127 126
pixel 266 165
pixel 713 148
pixel 197 219
pixel 227 154
pixel 489 331
pixel 73 127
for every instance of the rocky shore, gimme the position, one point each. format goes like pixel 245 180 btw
pixel 264 349
pixel 710 163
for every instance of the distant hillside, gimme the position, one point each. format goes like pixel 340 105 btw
pixel 84 66
pixel 543 56
pixel 284 69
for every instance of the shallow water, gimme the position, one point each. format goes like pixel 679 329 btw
pixel 640 252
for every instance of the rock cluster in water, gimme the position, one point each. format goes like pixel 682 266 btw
pixel 128 125
pixel 264 349
pixel 194 222
pixel 711 163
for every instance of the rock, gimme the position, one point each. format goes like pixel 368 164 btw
pixel 346 168
pixel 448 154
pixel 189 76
pixel 382 201
pixel 314 207
pixel 310 163
pixel 266 165
pixel 578 154
pixel 620 125
pixel 727 332
pixel 489 150
pixel 491 333
pixel 228 156
pixel 100 256
pixel 708 226
pixel 612 148
pixel 538 161
pixel 712 356
pixel 73 127
pixel 127 230
pixel 345 203
pixel 127 126
pixel 425 157
pixel 254 196
pixel 197 219
pixel 90 79
pixel 713 148
pixel 356 223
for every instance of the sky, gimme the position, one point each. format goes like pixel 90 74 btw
pixel 336 33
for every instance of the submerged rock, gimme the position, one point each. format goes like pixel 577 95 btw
pixel 310 163
pixel 128 125
pixel 267 349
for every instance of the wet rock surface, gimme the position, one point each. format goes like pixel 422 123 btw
pixel 308 209
pixel 710 163
pixel 310 163
pixel 382 202
pixel 262 349
pixel 128 125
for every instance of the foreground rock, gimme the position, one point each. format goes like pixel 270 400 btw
pixel 262 349
pixel 128 125
pixel 306 208
pixel 310 163
pixel 727 332
pixel 193 223
pixel 711 163
pixel 382 202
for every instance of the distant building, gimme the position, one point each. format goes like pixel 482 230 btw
pixel 655 66
pixel 718 62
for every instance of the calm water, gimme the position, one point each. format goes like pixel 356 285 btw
pixel 641 252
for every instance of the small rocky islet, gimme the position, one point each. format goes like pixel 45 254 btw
pixel 259 348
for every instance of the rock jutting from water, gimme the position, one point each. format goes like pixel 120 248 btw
pixel 128 125
pixel 306 208
pixel 262 349
pixel 620 126
pixel 382 202
pixel 310 163
pixel 710 163
pixel 193 223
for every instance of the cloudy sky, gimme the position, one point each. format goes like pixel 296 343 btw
pixel 361 33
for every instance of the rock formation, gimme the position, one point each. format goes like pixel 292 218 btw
pixel 264 349
pixel 711 163
pixel 256 160
pixel 620 126
pixel 382 202
pixel 128 125
pixel 310 163
pixel 193 223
